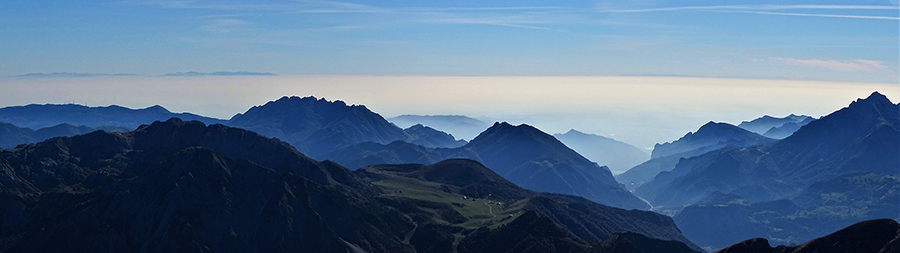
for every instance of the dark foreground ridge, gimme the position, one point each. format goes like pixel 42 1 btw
pixel 184 186
pixel 877 236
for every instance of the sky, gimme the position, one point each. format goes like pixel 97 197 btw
pixel 853 41
pixel 641 71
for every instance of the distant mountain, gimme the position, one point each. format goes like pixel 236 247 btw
pixel 318 126
pixel 709 137
pixel 460 126
pixel 881 235
pixel 431 138
pixel 221 73
pixel 518 220
pixel 537 161
pixel 184 186
pixel 522 154
pixel 838 169
pixel 40 116
pixel 11 135
pixel 777 128
pixel 616 155
pixel 783 131
pixel 863 137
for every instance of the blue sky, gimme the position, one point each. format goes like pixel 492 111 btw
pixel 847 41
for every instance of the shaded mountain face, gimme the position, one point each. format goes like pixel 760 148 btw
pixel 49 115
pixel 783 131
pixel 317 126
pixel 638 243
pixel 460 126
pixel 522 154
pixel 498 216
pixel 881 235
pixel 184 186
pixel 722 219
pixel 767 123
pixel 711 136
pixel 11 136
pixel 863 137
pixel 616 155
pixel 431 138
pixel 537 161
pixel 828 168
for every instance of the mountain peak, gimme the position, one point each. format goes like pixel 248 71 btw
pixel 877 95
pixel 156 109
pixel 316 126
pixel 710 136
pixel 575 132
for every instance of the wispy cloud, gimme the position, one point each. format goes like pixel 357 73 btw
pixel 754 7
pixel 844 66
pixel 772 10
pixel 815 15
pixel 226 25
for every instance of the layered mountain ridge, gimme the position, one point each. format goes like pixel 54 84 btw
pixel 185 186
pixel 522 154
pixel 834 171
pixel 616 155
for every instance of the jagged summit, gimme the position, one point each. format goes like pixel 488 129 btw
pixel 316 126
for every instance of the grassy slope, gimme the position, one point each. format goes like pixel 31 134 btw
pixel 478 212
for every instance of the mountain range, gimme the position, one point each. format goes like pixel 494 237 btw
pixel 834 171
pixel 186 186
pixel 190 185
pixel 616 155
pixel 709 137
pixel 457 125
pixel 11 135
pixel 776 128
pixel 522 154
pixel 881 235
pixel 42 116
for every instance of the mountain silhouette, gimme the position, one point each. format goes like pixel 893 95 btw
pixel 460 126
pixel 616 155
pixel 431 138
pixel 787 129
pixel 545 221
pixel 186 186
pixel 12 136
pixel 837 170
pixel 862 137
pixel 317 126
pixel 781 126
pixel 522 154
pixel 711 136
pixel 881 235
pixel 41 116
pixel 537 161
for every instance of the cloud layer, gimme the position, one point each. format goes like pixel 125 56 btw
pixel 844 66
